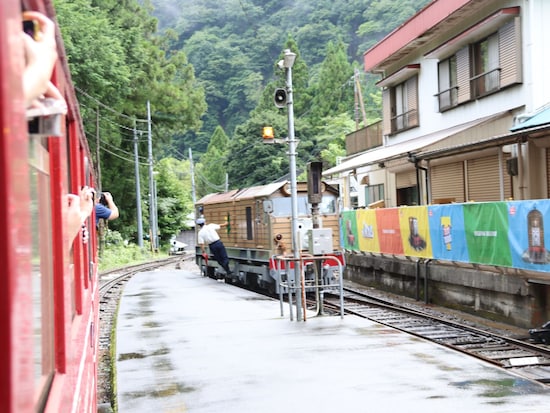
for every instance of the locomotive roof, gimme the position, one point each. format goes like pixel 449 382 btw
pixel 240 194
pixel 253 192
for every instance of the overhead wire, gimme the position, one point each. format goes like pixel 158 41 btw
pixel 99 103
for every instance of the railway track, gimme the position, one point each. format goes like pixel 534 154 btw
pixel 111 285
pixel 521 357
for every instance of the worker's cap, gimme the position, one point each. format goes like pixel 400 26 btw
pixel 200 221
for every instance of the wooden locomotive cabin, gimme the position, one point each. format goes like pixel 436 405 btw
pixel 258 214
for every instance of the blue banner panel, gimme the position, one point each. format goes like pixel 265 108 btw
pixel 527 235
pixel 447 232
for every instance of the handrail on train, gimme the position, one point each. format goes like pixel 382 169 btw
pixel 300 287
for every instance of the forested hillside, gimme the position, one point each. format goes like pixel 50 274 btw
pixel 207 71
pixel 234 44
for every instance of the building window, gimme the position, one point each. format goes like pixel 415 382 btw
pixel 374 193
pixel 485 66
pixel 404 105
pixel 249 231
pixel 448 87
pixel 482 66
pixel 407 196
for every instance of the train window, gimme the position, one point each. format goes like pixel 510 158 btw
pixel 282 207
pixel 249 232
pixel 328 205
pixel 42 267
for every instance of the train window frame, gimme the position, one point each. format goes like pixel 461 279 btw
pixel 249 229
pixel 282 207
pixel 43 271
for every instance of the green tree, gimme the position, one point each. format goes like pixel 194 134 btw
pixel 333 138
pixel 119 62
pixel 212 167
pixel 174 202
pixel 334 86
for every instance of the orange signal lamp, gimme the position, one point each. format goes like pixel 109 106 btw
pixel 267 132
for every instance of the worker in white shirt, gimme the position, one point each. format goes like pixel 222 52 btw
pixel 208 236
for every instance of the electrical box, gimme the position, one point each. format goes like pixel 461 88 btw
pixel 320 241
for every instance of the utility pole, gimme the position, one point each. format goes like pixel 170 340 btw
pixel 286 64
pixel 138 191
pixel 152 200
pixel 359 101
pixel 192 179
pixel 97 146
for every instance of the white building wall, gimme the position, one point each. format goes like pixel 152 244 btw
pixel 537 36
pixel 533 93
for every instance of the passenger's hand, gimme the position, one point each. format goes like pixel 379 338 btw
pixel 86 202
pixel 72 217
pixel 40 59
pixel 78 208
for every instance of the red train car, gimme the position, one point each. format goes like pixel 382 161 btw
pixel 48 289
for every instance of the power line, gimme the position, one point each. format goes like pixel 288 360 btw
pixel 128 128
pixel 121 157
pixel 132 118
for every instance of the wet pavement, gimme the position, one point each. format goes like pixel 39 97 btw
pixel 185 343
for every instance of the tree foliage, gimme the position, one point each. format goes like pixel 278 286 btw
pixel 118 63
pixel 221 55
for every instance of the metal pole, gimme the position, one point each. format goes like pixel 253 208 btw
pixel 293 188
pixel 156 216
pixel 192 179
pixel 152 225
pixel 292 161
pixel 138 191
pixel 98 154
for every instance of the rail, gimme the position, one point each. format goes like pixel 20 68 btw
pixel 300 286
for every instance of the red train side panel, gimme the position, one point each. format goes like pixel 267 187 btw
pixel 48 292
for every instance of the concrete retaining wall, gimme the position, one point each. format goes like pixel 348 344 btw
pixel 495 293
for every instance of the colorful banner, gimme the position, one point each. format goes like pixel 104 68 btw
pixel 389 231
pixel 527 236
pixel 415 231
pixel 349 231
pixel 368 230
pixel 507 234
pixel 486 226
pixel 447 232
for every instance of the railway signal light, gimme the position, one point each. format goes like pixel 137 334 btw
pixel 280 97
pixel 314 182
pixel 268 135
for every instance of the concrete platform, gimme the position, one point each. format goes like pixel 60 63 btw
pixel 186 343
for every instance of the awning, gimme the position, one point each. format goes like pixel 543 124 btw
pixel 539 119
pixel 400 150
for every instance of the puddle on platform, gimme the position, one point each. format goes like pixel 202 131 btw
pixel 131 356
pixel 501 388
pixel 167 390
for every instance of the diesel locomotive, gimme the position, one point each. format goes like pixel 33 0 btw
pixel 258 237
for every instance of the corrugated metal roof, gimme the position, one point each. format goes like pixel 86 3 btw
pixel 240 194
pixel 218 197
pixel 400 150
pixel 539 119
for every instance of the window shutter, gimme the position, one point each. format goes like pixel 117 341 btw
pixel 510 53
pixel 412 101
pixel 463 74
pixel 447 182
pixel 484 181
pixel 405 179
pixel 386 109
